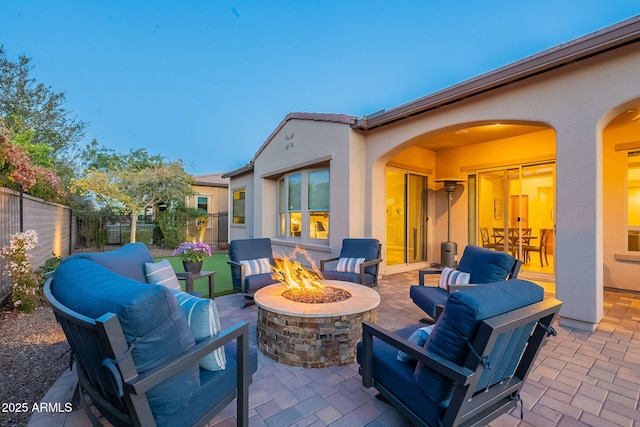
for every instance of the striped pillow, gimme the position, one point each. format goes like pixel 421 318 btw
pixel 161 273
pixel 203 320
pixel 450 276
pixel 256 266
pixel 349 265
pixel 418 337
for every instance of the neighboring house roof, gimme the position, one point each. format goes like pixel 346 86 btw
pixel 211 180
pixel 318 117
pixel 607 39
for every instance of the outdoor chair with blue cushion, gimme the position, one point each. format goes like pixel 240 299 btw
pixel 358 262
pixel 481 266
pixel 471 366
pixel 251 262
pixel 147 354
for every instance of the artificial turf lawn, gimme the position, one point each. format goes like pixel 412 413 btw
pixel 217 263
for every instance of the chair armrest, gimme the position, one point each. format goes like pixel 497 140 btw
pixel 242 276
pixel 367 264
pixel 422 273
pixel 324 261
pixel 370 263
pixel 460 287
pixel 443 366
pixel 143 382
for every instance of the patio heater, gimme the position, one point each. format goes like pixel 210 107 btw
pixel 449 249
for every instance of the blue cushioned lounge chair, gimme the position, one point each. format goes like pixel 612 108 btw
pixel 474 362
pixel 365 273
pixel 484 266
pixel 250 250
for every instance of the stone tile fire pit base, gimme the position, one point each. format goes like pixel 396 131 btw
pixel 313 335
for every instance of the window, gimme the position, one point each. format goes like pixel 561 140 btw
pixel 633 202
pixel 303 205
pixel 238 206
pixel 202 203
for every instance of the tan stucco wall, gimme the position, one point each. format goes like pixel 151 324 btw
pixel 313 144
pixel 576 102
pixel 219 198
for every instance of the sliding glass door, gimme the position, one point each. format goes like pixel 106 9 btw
pixel 406 196
pixel 516 213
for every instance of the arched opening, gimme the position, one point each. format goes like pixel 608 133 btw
pixel 508 169
pixel 621 199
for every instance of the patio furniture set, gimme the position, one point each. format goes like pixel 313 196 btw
pixel 150 354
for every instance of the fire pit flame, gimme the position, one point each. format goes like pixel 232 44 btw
pixel 305 285
pixel 295 276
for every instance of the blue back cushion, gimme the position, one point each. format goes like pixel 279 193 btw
pixel 149 315
pixel 127 260
pixel 462 315
pixel 485 265
pixel 359 248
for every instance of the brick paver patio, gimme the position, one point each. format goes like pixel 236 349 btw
pixel 581 379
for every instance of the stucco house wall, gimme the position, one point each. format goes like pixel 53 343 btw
pixel 304 142
pixel 573 101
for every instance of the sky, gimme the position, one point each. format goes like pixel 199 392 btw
pixel 207 81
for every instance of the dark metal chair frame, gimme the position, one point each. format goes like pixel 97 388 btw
pixel 105 335
pixel 374 262
pixel 467 407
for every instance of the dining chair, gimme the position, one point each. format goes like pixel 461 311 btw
pixel 541 248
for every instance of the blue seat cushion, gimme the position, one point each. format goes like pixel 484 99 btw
pixel 257 281
pixel 460 320
pixel 428 297
pixel 153 324
pixel 214 386
pixel 348 277
pixel 128 260
pixel 397 377
pixel 485 265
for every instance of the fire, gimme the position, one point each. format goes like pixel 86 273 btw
pixel 295 276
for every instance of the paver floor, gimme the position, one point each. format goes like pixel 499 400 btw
pixel 580 379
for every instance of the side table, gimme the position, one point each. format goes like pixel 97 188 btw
pixel 189 278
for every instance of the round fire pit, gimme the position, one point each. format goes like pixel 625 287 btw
pixel 313 335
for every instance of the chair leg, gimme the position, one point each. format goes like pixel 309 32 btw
pixel 248 303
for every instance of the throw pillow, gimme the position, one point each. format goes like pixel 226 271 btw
pixel 256 266
pixel 450 276
pixel 161 273
pixel 349 265
pixel 418 337
pixel 202 318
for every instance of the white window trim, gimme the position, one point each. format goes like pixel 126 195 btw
pixel 232 213
pixel 304 238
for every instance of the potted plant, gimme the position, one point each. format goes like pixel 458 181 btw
pixel 192 255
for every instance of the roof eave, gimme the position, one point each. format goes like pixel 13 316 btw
pixel 596 43
pixel 248 168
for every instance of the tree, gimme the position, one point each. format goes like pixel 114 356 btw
pixel 35 115
pixel 135 181
pixel 17 162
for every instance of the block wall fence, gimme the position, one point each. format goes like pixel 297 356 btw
pixel 54 224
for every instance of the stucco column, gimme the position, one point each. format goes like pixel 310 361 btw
pixel 578 248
